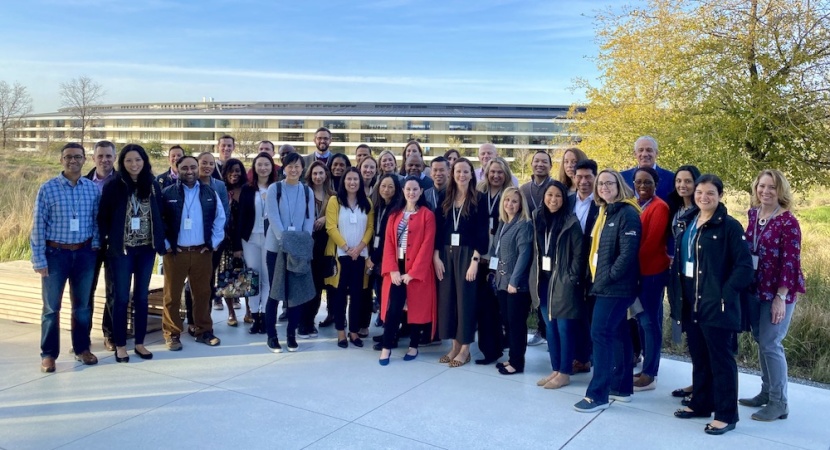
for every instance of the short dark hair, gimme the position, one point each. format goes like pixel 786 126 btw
pixel 291 158
pixel 550 160
pixel 269 143
pixel 323 129
pixel 440 159
pixel 105 144
pixel 179 161
pixel 587 164
pixel 177 146
pixel 73 145
pixel 363 146
pixel 650 171
pixel 226 136
pixel 710 178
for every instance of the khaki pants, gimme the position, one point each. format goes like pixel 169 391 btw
pixel 196 266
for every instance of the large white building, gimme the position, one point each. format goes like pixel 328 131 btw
pixel 197 125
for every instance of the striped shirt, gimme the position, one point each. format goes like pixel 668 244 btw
pixel 57 203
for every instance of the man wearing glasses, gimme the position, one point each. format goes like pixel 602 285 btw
pixel 322 141
pixel 64 243
pixel 645 152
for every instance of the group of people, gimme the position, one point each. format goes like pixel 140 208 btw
pixel 586 249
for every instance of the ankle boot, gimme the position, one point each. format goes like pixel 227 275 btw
pixel 257 323
pixel 262 323
pixel 773 411
pixel 756 402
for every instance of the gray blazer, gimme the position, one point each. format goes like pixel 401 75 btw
pixel 515 253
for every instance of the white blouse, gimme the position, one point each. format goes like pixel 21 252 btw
pixel 352 225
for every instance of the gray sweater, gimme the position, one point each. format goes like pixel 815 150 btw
pixel 515 253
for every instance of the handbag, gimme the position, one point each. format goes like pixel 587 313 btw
pixel 236 279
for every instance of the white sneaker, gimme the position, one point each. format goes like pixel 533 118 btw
pixel 536 340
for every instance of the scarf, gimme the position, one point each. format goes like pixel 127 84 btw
pixel 596 233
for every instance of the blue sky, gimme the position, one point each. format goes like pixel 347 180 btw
pixel 485 51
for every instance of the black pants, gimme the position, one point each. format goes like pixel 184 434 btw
pixel 217 259
pixel 395 314
pixel 350 285
pixel 514 310
pixel 714 370
pixel 636 342
pixel 309 310
pixel 489 317
pixel 457 297
pixel 106 322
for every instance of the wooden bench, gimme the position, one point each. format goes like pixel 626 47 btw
pixel 21 301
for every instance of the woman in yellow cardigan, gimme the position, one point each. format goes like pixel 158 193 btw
pixel 350 226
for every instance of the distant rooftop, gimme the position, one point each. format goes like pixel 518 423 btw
pixel 460 110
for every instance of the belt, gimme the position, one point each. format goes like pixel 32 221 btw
pixel 71 247
pixel 194 248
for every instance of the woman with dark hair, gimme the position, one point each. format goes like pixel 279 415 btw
pixel 387 195
pixel 318 178
pixel 681 202
pixel 337 164
pixel 711 269
pixel 567 167
pixel 654 266
pixel 235 176
pixel 451 155
pixel 510 255
pixel 289 206
pixel 350 225
pixel 248 231
pixel 460 240
pixel 408 274
pixel 614 267
pixel 132 232
pixel 368 168
pixel 775 236
pixel 560 267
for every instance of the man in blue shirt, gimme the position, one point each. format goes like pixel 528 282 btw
pixel 645 151
pixel 64 243
pixel 194 222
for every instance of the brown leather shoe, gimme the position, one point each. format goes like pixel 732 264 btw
pixel 109 344
pixel 579 367
pixel 47 364
pixel 87 358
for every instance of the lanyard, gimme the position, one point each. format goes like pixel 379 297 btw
pixel 645 205
pixel 288 201
pixel 262 194
pixel 434 199
pixel 456 216
pixel 379 219
pixel 491 202
pixel 73 205
pixel 504 228
pixel 690 246
pixel 547 240
pixel 135 204
pixel 196 195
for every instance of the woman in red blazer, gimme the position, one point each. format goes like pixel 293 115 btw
pixel 407 270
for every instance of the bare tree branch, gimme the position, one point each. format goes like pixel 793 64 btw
pixel 15 104
pixel 81 97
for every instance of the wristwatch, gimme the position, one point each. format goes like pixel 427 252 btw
pixel 781 296
pixel 476 258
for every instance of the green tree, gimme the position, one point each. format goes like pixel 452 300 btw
pixel 733 86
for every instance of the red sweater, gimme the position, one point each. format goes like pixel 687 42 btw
pixel 654 256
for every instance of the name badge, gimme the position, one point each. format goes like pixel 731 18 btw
pixel 135 223
pixel 755 262
pixel 188 224
pixel 74 225
pixel 494 263
pixel 401 253
pixel 690 269
pixel 455 239
pixel 546 263
pixel 352 218
pixel 491 223
pixel 377 241
pixel 291 228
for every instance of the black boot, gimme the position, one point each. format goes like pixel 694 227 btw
pixel 261 323
pixel 257 326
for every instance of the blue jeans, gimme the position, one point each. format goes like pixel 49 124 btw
pixel 612 349
pixel 561 336
pixel 651 320
pixel 77 267
pixel 136 264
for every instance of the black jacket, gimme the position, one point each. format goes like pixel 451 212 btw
pixel 173 206
pixel 565 290
pixel 245 218
pixel 166 179
pixel 618 267
pixel 722 273
pixel 112 216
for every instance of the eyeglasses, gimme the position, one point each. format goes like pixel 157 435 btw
pixel 68 158
pixel 643 183
pixel 606 183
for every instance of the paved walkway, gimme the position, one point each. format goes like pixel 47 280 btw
pixel 240 395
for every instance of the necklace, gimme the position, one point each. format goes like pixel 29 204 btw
pixel 763 222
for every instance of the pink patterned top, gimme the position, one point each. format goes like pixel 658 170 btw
pixel 778 248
